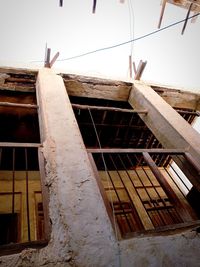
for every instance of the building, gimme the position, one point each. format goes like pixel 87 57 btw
pixel 97 172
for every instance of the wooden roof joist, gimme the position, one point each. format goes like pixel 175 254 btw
pixel 24 80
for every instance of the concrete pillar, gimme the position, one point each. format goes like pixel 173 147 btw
pixel 81 228
pixel 169 128
pixel 166 124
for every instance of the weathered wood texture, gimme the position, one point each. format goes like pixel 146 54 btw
pixel 166 124
pixel 17 79
pixel 114 90
pixel 97 88
pixel 186 4
pixel 178 98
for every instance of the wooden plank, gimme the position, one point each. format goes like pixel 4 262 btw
pixel 171 130
pixel 47 59
pixel 10 144
pixel 18 71
pixel 180 227
pixel 108 108
pixel 176 97
pixel 97 88
pixel 94 6
pixel 162 13
pixel 9 104
pixel 167 188
pixel 136 150
pixel 20 80
pixel 185 3
pixel 54 59
pixel 140 69
pixel 188 112
pixel 186 19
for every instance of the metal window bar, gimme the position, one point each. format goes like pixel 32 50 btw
pixel 137 219
pixel 120 203
pixel 27 195
pixel 145 188
pixel 161 215
pixel 159 198
pixel 133 182
pixel 162 206
pixel 23 159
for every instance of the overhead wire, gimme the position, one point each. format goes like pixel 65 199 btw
pixel 129 41
pixel 109 186
pixel 126 42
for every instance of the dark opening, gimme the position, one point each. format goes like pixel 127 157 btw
pixel 9 228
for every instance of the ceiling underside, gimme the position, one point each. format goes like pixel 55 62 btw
pixel 115 129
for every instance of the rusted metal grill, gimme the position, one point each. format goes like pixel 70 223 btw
pixel 146 190
pixel 20 194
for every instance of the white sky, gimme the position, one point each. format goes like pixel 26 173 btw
pixel 172 58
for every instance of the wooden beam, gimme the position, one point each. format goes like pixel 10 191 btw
pixel 54 59
pixel 185 3
pixel 136 150
pixel 162 13
pixel 186 19
pixel 78 106
pixel 47 58
pixel 94 6
pixel 178 98
pixel 140 69
pixel 9 104
pixel 97 88
pixel 167 125
pixel 9 144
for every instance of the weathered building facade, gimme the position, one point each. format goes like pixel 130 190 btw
pixel 119 170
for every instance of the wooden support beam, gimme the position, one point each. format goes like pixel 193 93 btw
pixel 94 6
pixel 186 19
pixel 95 87
pixel 167 125
pixel 162 13
pixel 136 150
pixel 78 106
pixel 48 62
pixel 196 113
pixel 54 59
pixel 9 104
pixel 47 58
pixel 140 69
pixel 9 144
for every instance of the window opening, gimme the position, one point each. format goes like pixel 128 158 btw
pixel 21 201
pixel 140 180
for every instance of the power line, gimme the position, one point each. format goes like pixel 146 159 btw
pixel 127 42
